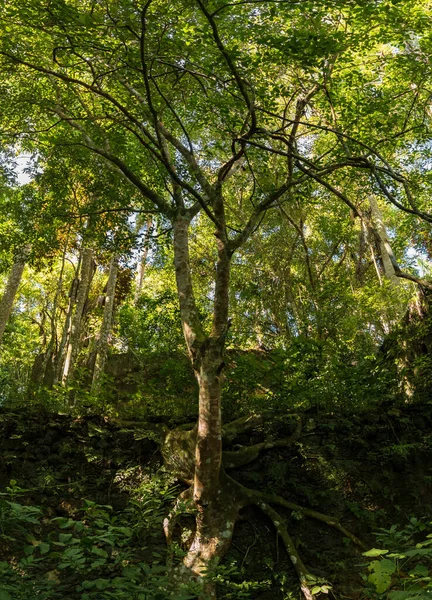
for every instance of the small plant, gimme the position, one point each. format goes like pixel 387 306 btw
pixel 230 581
pixel 16 518
pixel 401 568
pixel 98 556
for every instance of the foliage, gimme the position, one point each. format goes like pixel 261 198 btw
pixel 284 145
pixel 98 555
pixel 402 567
pixel 152 326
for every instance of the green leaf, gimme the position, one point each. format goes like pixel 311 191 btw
pixel 421 570
pixel 44 548
pixel 381 580
pixel 375 552
pixel 102 584
pixel 98 563
pixel 418 552
pixel 29 550
pixel 99 552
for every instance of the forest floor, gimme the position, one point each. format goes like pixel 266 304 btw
pixel 102 494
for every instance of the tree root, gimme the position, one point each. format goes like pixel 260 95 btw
pixel 257 497
pixel 263 501
pixel 247 454
pixel 298 564
pixel 243 424
pixel 215 521
pixel 182 506
pixel 314 514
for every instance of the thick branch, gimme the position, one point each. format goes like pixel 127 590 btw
pixel 192 328
pixel 257 215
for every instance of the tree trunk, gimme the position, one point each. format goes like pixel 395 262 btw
pixel 49 367
pixel 60 357
pixel 142 262
pixel 14 280
pixel 386 251
pixel 82 294
pixel 102 343
pixel 214 520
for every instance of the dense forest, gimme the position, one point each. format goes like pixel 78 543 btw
pixel 215 299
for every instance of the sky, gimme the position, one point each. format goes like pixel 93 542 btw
pixel 23 161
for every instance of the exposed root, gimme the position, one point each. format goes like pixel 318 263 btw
pixel 314 514
pixel 216 519
pixel 263 501
pixel 298 564
pixel 247 454
pixel 231 430
pixel 256 497
pixel 182 506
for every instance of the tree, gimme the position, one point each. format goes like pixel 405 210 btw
pixel 13 282
pixel 102 342
pixel 220 112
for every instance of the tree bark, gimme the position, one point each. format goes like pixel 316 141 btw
pixel 82 294
pixel 384 243
pixel 213 527
pixel 14 280
pixel 142 262
pixel 60 357
pixel 102 343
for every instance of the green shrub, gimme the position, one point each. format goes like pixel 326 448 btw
pixel 401 568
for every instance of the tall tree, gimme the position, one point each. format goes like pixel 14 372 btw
pixel 225 110
pixel 86 274
pixel 105 330
pixel 12 285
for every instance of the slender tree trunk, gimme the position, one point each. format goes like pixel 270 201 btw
pixel 213 528
pixel 60 357
pixel 102 343
pixel 142 262
pixel 75 330
pixel 384 243
pixel 49 370
pixel 14 280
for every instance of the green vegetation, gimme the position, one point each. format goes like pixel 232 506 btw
pixel 215 299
